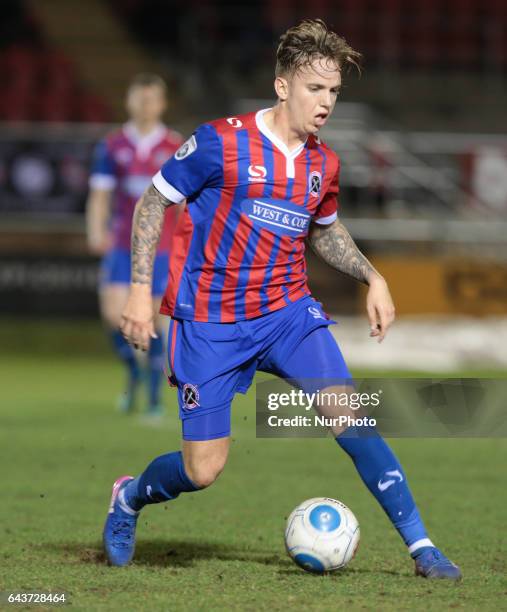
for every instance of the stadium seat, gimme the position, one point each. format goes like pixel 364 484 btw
pixel 91 108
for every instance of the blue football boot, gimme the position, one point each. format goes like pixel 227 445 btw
pixel 431 563
pixel 120 528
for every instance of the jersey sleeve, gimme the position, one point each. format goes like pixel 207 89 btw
pixel 103 175
pixel 198 163
pixel 327 211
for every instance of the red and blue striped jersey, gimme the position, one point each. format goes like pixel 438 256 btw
pixel 124 163
pixel 238 250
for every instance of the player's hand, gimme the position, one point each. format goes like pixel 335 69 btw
pixel 380 308
pixel 137 324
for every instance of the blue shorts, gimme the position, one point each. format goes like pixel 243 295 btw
pixel 115 269
pixel 211 362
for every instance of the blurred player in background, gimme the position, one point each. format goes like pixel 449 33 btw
pixel 123 166
pixel 258 185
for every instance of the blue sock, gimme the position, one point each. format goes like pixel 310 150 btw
pixel 164 479
pixel 125 352
pixel 381 472
pixel 156 359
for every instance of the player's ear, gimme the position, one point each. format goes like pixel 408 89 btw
pixel 281 88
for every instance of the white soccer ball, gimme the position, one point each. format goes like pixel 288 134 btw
pixel 322 535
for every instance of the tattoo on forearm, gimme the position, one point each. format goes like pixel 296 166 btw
pixel 335 246
pixel 146 230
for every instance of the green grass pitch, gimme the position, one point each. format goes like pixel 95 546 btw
pixel 62 445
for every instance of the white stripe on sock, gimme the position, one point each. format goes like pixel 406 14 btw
pixel 123 504
pixel 419 544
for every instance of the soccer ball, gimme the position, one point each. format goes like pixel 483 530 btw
pixel 322 535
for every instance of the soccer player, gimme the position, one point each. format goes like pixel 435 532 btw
pixel 256 186
pixel 123 166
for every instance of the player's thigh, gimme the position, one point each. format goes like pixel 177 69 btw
pixel 209 363
pixel 314 361
pixel 114 281
pixel 205 459
pixel 316 365
pixel 113 299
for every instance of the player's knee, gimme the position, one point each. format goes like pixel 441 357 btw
pixel 204 473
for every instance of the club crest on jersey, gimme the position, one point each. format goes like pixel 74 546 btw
pixel 257 174
pixel 190 396
pixel 186 148
pixel 234 121
pixel 314 183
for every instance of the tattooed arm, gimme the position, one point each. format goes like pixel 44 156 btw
pixel 137 318
pixel 146 230
pixel 335 246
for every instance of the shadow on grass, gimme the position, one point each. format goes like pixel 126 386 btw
pixel 172 553
pixel 184 554
pixel 347 571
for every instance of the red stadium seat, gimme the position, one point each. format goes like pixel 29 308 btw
pixel 21 63
pixel 91 108
pixel 16 106
pixel 53 106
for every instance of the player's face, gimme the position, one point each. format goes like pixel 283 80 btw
pixel 312 93
pixel 146 104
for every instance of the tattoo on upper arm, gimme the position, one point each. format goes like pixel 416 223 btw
pixel 146 230
pixel 335 246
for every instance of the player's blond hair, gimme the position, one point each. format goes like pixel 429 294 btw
pixel 311 40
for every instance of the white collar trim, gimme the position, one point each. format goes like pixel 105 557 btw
pixel 144 142
pixel 278 142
